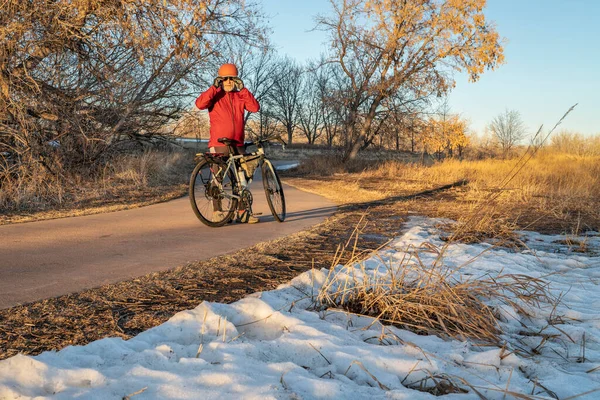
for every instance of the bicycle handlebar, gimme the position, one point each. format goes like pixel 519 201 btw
pixel 267 140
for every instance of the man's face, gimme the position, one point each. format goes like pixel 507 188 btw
pixel 228 84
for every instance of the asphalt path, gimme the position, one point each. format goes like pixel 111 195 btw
pixel 45 259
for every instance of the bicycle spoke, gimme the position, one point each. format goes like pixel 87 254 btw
pixel 211 194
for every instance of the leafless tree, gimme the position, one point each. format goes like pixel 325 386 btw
pixel 508 129
pixel 332 87
pixel 284 98
pixel 264 125
pixel 310 115
pixel 77 77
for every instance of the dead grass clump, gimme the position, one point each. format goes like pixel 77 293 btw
pixel 431 299
pixel 23 189
pixel 490 227
pixel 439 385
pixel 151 168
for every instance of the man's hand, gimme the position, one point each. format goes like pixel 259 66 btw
pixel 239 84
pixel 218 82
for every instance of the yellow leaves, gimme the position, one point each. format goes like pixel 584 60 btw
pixel 445 134
pixel 454 32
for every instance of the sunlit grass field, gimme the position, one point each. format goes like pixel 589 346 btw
pixel 550 190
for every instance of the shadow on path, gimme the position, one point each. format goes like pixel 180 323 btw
pixel 386 201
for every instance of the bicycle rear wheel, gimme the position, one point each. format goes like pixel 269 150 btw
pixel 211 193
pixel 273 191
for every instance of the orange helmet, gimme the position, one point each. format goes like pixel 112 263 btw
pixel 228 70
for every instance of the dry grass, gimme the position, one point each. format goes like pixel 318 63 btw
pixel 430 299
pixel 554 192
pixel 551 177
pixel 127 181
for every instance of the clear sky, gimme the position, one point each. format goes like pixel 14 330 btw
pixel 552 54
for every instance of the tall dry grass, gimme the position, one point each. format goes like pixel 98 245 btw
pixel 551 187
pixel 548 175
pixel 431 299
pixel 125 178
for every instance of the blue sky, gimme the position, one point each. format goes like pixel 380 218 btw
pixel 552 56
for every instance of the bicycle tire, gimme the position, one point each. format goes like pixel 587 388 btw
pixel 204 193
pixel 273 191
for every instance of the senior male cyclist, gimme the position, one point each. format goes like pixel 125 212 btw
pixel 227 100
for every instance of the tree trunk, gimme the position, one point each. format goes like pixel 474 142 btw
pixel 362 138
pixel 290 134
pixel 358 143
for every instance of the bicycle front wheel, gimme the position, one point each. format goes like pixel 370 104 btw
pixel 211 193
pixel 273 191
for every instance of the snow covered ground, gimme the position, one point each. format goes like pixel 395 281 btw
pixel 273 345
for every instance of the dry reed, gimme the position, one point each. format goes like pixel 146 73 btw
pixel 431 298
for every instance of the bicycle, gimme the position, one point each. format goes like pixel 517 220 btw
pixel 219 184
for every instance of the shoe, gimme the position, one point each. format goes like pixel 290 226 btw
pixel 246 218
pixel 219 216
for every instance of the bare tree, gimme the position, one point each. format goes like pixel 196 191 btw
pixel 384 46
pixel 331 86
pixel 77 77
pixel 192 124
pixel 508 129
pixel 310 114
pixel 264 125
pixel 284 98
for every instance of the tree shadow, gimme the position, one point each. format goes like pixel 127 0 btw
pixel 324 211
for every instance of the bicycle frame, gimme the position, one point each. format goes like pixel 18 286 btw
pixel 233 164
pixel 229 179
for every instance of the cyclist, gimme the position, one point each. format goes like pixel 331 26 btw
pixel 227 100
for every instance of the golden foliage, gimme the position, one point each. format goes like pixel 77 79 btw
pixel 445 135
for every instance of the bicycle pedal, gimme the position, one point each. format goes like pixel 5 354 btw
pixel 257 214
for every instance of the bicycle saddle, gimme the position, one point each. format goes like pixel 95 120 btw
pixel 226 141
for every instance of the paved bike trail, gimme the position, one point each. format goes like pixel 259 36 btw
pixel 45 259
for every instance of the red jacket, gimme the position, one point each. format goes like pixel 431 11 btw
pixel 226 113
